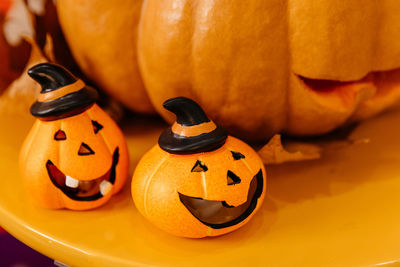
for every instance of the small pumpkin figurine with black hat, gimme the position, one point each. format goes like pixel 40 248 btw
pixel 75 156
pixel 198 181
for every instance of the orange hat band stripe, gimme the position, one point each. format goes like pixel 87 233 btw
pixel 53 95
pixel 195 130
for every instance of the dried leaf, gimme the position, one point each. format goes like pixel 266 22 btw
pixel 275 153
pixel 6 74
pixel 19 23
pixel 49 48
pixel 37 6
pixel 20 95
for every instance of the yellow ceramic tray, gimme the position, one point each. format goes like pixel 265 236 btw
pixel 341 210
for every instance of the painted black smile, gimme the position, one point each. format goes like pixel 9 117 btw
pixel 84 190
pixel 218 214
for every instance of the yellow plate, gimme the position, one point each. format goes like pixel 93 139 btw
pixel 341 210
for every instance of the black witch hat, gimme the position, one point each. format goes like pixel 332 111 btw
pixel 62 94
pixel 193 131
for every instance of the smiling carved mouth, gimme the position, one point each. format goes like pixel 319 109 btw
pixel 218 214
pixel 84 190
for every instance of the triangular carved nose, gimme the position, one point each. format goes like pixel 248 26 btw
pixel 232 178
pixel 85 150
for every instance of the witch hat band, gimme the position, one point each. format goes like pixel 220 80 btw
pixel 193 131
pixel 62 94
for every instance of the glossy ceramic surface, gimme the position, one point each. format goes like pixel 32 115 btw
pixel 341 210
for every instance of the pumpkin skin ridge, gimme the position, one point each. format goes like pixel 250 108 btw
pixel 82 205
pixel 148 184
pixel 243 160
pixel 114 189
pixel 73 167
pixel 361 34
pixel 59 195
pixel 54 200
pixel 369 35
pixel 124 162
pixel 216 153
pixel 172 191
pixel 213 109
pixel 104 153
pixel 110 150
pixel 104 75
pixel 203 181
pixel 50 196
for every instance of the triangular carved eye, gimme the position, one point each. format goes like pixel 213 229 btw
pixel 237 155
pixel 96 126
pixel 85 150
pixel 60 135
pixel 232 178
pixel 199 167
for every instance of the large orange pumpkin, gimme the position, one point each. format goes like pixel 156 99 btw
pixel 75 156
pixel 301 67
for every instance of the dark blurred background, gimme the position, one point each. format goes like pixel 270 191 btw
pixel 13 253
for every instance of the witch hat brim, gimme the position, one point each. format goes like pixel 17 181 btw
pixel 193 131
pixel 65 106
pixel 62 94
pixel 206 142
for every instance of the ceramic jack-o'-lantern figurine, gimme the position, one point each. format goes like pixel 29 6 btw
pixel 75 156
pixel 198 181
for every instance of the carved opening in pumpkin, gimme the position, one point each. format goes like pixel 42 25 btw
pixel 85 150
pixel 380 85
pixel 199 167
pixel 232 178
pixel 96 126
pixel 237 155
pixel 84 190
pixel 60 135
pixel 219 214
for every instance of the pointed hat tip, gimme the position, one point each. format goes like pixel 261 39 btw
pixel 187 111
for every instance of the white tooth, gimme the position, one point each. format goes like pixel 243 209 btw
pixel 71 182
pixel 105 187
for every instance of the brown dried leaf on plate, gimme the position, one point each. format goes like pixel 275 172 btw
pixel 274 152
